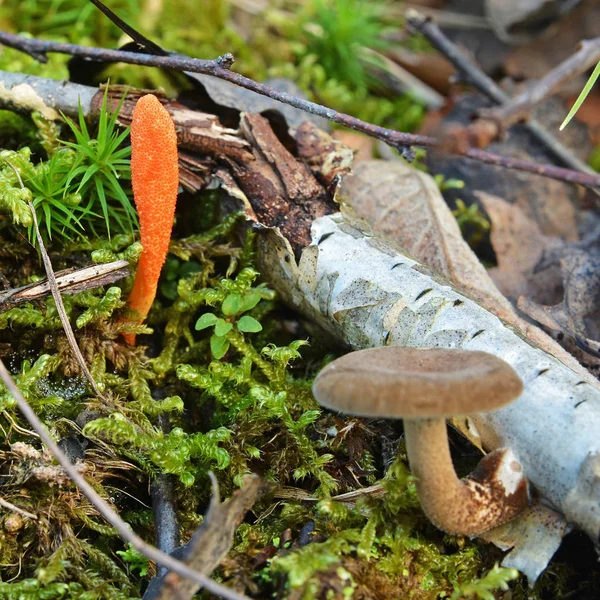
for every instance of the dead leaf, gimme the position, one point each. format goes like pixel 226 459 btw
pixel 211 542
pixel 556 284
pixel 534 59
pixel 550 203
pixel 519 246
pixel 406 206
pixel 578 313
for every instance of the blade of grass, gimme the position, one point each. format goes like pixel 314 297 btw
pixel 581 98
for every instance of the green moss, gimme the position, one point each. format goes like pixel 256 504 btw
pixel 233 382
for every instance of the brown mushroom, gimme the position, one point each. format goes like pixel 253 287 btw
pixel 424 386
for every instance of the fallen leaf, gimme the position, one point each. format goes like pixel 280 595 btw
pixel 405 206
pixel 534 59
pixel 516 21
pixel 578 313
pixel 555 284
pixel 519 246
pixel 550 203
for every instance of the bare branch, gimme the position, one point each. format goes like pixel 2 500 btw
pixel 69 281
pixel 60 307
pixel 520 107
pixel 474 75
pixel 11 506
pixel 220 68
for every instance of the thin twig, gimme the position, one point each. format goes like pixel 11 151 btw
pixel 16 509
pixel 60 307
pixel 519 107
pixel 220 68
pixel 474 75
pixel 104 508
pixel 164 506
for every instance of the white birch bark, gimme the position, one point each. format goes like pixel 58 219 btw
pixel 368 293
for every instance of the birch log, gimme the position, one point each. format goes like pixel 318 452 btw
pixel 368 293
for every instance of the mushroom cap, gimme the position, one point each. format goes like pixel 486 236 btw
pixel 398 382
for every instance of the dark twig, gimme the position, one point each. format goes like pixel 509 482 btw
pixel 104 508
pixel 474 75
pixel 219 68
pixel 215 68
pixel 162 492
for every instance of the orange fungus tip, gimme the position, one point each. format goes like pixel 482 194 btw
pixel 155 180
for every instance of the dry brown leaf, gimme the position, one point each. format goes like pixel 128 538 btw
pixel 535 59
pixel 517 21
pixel 519 246
pixel 405 206
pixel 550 203
pixel 556 284
pixel 577 314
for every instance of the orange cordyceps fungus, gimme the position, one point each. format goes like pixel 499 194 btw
pixel 155 179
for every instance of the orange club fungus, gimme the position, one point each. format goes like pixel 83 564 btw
pixel 155 180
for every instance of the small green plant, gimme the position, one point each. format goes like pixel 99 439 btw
pixel 46 186
pixel 240 299
pixel 471 221
pixel 398 112
pixel 135 560
pixel 101 165
pixel 77 188
pixel 495 579
pixel 338 30
pixel 445 184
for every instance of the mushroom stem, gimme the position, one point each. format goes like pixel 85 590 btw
pixel 493 494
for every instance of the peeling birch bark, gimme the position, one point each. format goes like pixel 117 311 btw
pixel 367 293
pixel 27 93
